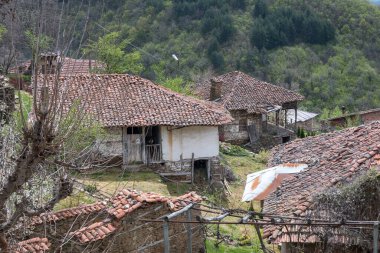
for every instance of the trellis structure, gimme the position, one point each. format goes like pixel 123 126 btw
pixel 256 219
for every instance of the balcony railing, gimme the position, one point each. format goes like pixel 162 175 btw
pixel 153 153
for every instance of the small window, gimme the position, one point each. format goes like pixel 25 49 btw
pixel 242 125
pixel 285 139
pixel 134 130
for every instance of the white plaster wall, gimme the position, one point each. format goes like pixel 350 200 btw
pixel 111 145
pixel 203 141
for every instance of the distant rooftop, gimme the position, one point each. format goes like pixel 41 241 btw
pixel 240 91
pixel 302 116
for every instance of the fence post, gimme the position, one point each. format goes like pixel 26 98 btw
pixel 376 237
pixel 192 168
pixel 166 236
pixel 189 233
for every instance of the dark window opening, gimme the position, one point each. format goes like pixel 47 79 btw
pixel 285 139
pixel 200 170
pixel 153 135
pixel 134 130
pixel 242 125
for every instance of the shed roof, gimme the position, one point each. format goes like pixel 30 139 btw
pixel 126 100
pixel 302 116
pixel 240 91
pixel 332 158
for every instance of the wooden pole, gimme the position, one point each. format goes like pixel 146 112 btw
pixel 295 119
pixel 180 157
pixel 192 168
pixel 257 228
pixel 286 118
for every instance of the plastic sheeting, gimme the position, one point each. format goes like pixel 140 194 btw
pixel 260 184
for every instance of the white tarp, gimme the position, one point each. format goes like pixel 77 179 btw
pixel 260 184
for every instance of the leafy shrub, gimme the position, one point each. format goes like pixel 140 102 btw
pixel 90 188
pixel 262 156
pixel 233 150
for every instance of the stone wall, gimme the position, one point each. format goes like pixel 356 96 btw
pixel 138 236
pixel 112 144
pixel 57 230
pixel 236 132
pixel 370 117
pixel 273 136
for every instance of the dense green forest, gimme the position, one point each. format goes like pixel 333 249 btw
pixel 327 50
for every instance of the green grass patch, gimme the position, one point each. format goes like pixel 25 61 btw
pixel 76 199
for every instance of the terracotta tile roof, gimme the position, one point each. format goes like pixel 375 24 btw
pixel 242 92
pixel 94 232
pixel 333 158
pixel 72 66
pixel 68 213
pixel 126 100
pixel 125 202
pixel 69 66
pixel 34 245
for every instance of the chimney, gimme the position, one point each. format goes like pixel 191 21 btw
pixel 216 89
pixel 48 63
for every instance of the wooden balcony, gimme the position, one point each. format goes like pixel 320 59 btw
pixel 153 153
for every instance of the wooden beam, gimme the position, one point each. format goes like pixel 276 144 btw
pixel 192 168
pixel 295 119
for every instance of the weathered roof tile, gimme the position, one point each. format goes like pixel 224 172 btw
pixel 126 100
pixel 240 91
pixel 327 167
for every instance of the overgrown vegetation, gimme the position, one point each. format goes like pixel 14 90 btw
pixel 327 50
pixel 359 201
pixel 284 26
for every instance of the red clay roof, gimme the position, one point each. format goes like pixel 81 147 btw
pixel 94 232
pixel 34 245
pixel 125 202
pixel 70 66
pixel 67 213
pixel 126 100
pixel 243 92
pixel 333 158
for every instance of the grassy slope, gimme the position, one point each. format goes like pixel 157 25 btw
pixel 242 164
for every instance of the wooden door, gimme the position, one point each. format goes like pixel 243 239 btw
pixel 132 148
pixel 252 132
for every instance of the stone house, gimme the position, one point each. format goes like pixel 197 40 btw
pixel 116 225
pixel 362 117
pixel 334 161
pixel 259 109
pixel 147 124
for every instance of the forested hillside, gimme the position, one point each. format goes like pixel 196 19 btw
pixel 328 50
